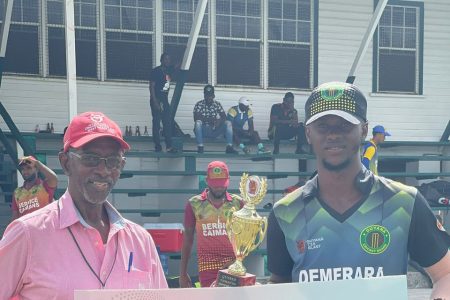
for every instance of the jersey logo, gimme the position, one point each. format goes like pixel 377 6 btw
pixel 301 246
pixel 374 239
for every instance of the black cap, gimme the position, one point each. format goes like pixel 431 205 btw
pixel 288 95
pixel 208 89
pixel 336 98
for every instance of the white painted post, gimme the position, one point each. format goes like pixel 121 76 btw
pixel 366 39
pixel 5 28
pixel 158 30
pixel 193 36
pixel 71 63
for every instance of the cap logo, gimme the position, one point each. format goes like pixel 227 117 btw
pixel 332 92
pixel 217 173
pixel 96 118
pixel 98 124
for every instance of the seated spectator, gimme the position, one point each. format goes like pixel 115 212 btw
pixel 239 115
pixel 211 121
pixel 34 193
pixel 284 124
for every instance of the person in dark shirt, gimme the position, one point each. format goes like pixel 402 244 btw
pixel 160 78
pixel 346 222
pixel 284 124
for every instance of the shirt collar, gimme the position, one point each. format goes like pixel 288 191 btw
pixel 38 181
pixel 204 195
pixel 69 214
pixel 373 143
pixel 363 182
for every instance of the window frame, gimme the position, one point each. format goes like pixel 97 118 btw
pixel 419 49
pixel 94 28
pixel 157 43
pixel 121 30
pixel 313 47
pixel 177 35
pixel 38 25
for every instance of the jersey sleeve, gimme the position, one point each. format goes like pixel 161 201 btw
pixel 279 261
pixel 14 203
pixel 369 153
pixel 274 111
pixel 428 241
pixel 197 108
pixel 152 75
pixel 231 114
pixel 220 108
pixel 50 191
pixel 189 217
pixel 250 114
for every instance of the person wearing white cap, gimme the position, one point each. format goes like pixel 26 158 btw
pixel 239 115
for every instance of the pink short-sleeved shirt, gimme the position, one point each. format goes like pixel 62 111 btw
pixel 40 260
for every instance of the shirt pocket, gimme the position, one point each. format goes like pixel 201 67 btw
pixel 137 279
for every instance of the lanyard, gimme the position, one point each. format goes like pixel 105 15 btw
pixel 89 265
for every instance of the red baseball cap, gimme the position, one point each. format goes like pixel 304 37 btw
pixel 89 126
pixel 217 174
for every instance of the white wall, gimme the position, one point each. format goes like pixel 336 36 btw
pixel 341 27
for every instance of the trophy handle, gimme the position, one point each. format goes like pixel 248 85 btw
pixel 262 234
pixel 228 223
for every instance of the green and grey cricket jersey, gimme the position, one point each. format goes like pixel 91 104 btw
pixel 309 241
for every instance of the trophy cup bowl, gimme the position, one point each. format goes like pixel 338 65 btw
pixel 246 230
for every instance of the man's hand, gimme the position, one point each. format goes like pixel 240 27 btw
pixel 185 281
pixel 29 160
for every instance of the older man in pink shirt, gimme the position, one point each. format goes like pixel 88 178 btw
pixel 80 242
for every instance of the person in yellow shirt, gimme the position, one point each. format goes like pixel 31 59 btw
pixel 35 192
pixel 369 151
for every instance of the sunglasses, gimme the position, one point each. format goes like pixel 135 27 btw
pixel 92 160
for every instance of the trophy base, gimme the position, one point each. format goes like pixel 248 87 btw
pixel 224 278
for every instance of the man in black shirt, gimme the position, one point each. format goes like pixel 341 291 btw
pixel 160 78
pixel 284 124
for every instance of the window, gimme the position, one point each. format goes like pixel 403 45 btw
pixel 22 51
pixel 129 34
pixel 238 29
pixel 291 41
pixel 398 44
pixel 85 38
pixel 177 22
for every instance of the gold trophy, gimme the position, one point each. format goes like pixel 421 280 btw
pixel 246 230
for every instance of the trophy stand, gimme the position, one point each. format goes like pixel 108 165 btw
pixel 246 230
